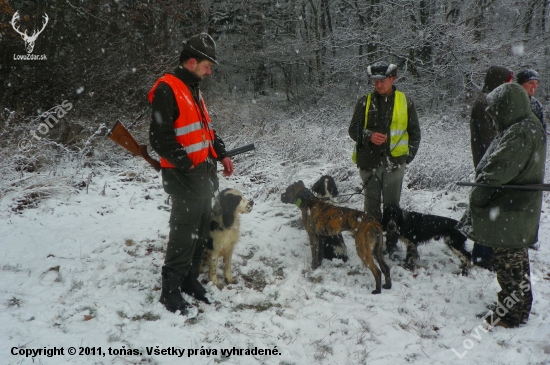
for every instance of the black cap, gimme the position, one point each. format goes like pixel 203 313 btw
pixel 381 71
pixel 202 46
pixel 527 75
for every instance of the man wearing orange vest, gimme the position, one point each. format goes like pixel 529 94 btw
pixel 182 135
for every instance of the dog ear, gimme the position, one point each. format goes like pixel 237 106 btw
pixel 229 205
pixel 215 226
pixel 316 188
pixel 216 208
pixel 209 243
pixel 332 189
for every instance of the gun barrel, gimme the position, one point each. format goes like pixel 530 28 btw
pixel 529 187
pixel 238 151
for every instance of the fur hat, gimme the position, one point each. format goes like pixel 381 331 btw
pixel 201 45
pixel 381 70
pixel 527 75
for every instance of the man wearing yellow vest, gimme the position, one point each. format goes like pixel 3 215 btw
pixel 387 134
pixel 182 135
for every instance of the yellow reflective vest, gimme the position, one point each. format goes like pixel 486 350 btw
pixel 399 137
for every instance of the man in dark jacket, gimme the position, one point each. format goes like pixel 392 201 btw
pixel 482 134
pixel 182 135
pixel 387 134
pixel 507 219
pixel 529 79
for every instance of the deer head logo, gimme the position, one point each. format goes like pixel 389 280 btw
pixel 29 40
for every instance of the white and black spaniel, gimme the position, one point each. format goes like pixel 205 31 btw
pixel 225 231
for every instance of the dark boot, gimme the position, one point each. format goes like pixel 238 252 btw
pixel 190 284
pixel 170 295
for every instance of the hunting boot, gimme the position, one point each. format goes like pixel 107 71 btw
pixel 190 284
pixel 170 295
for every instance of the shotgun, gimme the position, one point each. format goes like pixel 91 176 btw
pixel 120 135
pixel 529 187
pixel 239 150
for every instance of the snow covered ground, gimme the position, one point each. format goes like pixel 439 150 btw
pixel 82 270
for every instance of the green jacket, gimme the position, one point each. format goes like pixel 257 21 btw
pixel 509 218
pixel 482 131
pixel 370 156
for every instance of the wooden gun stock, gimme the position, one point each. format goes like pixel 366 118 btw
pixel 120 135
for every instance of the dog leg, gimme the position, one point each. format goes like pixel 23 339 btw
pixel 365 254
pixel 316 250
pixel 205 260
pixel 379 256
pixel 456 243
pixel 327 247
pixel 334 247
pixel 391 243
pixel 376 273
pixel 227 256
pixel 465 259
pixel 212 273
pixel 412 255
pixel 340 249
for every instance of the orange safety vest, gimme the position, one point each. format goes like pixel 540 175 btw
pixel 192 127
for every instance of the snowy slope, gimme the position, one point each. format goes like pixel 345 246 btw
pixel 83 270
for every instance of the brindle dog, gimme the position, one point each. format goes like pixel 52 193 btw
pixel 324 219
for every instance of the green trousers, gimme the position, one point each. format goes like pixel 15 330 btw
pixel 384 186
pixel 189 232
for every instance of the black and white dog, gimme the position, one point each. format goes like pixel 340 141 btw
pixel 415 228
pixel 334 247
pixel 225 231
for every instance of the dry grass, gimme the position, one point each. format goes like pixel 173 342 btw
pixel 28 192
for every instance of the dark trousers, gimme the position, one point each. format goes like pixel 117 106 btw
pixel 189 232
pixel 515 297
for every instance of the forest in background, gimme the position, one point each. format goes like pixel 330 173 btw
pixel 290 56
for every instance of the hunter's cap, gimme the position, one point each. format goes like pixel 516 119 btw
pixel 201 45
pixel 381 70
pixel 527 75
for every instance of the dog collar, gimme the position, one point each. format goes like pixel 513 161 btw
pixel 303 197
